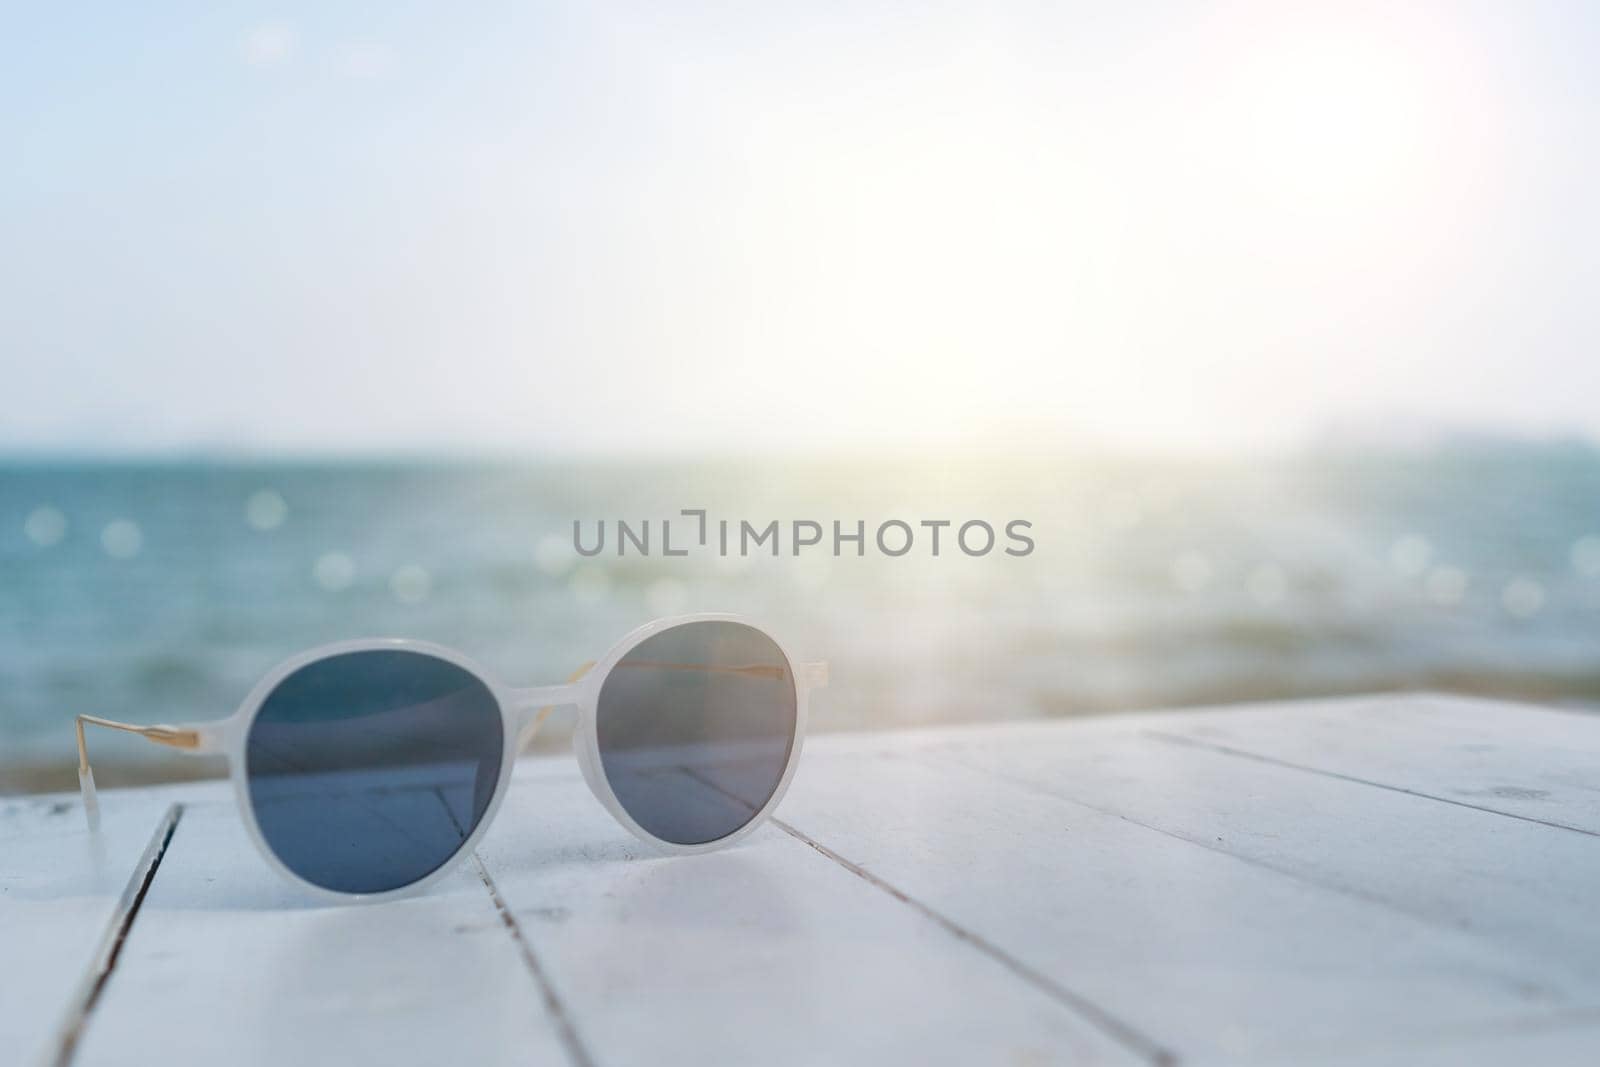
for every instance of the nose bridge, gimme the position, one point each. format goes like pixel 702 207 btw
pixel 551 696
pixel 539 696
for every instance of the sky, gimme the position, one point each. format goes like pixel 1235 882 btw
pixel 627 228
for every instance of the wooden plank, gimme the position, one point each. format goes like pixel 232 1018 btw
pixel 1524 887
pixel 63 892
pixel 1213 956
pixel 1043 892
pixel 766 953
pixel 1565 1042
pixel 1518 760
pixel 227 964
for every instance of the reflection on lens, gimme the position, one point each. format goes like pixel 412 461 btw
pixel 696 725
pixel 368 770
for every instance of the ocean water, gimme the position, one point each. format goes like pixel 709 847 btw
pixel 163 592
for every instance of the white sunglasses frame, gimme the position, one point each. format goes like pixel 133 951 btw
pixel 521 712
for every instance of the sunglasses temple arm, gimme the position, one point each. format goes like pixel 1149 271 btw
pixel 192 739
pixel 815 674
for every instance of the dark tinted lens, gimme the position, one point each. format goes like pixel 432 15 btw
pixel 368 770
pixel 696 725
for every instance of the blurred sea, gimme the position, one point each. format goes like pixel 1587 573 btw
pixel 162 592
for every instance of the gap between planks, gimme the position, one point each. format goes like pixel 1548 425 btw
pixel 1240 753
pixel 1121 1032
pixel 104 961
pixel 554 1006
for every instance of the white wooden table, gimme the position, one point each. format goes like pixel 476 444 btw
pixel 1404 880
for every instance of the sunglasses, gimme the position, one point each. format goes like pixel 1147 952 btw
pixel 368 769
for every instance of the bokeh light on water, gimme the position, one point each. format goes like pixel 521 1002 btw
pixel 165 592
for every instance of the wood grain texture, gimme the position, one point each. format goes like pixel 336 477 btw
pixel 1374 881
